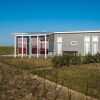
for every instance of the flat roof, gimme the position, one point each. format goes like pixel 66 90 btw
pixel 97 31
pixel 49 33
pixel 30 33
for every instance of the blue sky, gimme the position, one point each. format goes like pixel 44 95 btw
pixel 47 15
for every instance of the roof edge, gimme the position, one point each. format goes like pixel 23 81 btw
pixel 79 31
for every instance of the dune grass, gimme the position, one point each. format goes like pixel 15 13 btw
pixel 4 50
pixel 26 63
pixel 79 78
pixel 83 78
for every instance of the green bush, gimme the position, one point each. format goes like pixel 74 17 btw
pixel 67 60
pixel 97 57
pixel 91 58
pixel 88 59
pixel 76 60
pixel 58 61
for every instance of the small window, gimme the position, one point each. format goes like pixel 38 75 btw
pixel 73 42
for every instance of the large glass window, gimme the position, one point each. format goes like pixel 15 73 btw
pixel 59 45
pixel 20 45
pixel 86 45
pixel 94 44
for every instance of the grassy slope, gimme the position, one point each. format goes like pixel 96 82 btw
pixel 76 77
pixel 18 84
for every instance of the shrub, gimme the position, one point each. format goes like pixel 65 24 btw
pixel 97 57
pixel 66 59
pixel 76 60
pixel 58 61
pixel 91 58
pixel 88 59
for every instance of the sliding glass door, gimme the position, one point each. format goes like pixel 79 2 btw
pixel 86 45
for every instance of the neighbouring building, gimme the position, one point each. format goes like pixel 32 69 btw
pixel 55 43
